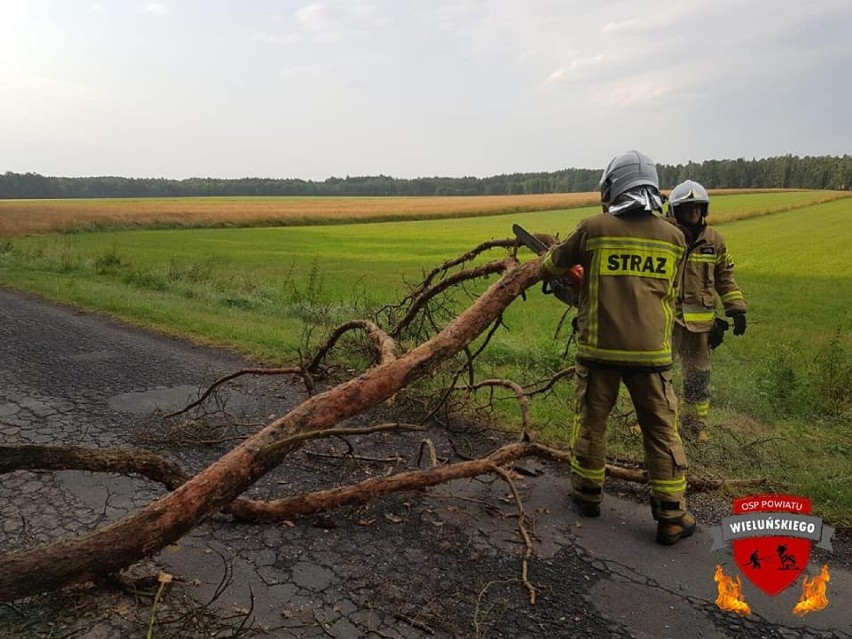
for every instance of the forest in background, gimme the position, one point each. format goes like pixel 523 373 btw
pixel 785 172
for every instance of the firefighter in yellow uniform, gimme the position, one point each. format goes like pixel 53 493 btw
pixel 632 259
pixel 708 274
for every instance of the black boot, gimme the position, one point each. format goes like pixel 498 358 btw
pixel 587 508
pixel 671 531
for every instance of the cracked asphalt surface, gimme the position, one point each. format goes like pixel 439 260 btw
pixel 441 563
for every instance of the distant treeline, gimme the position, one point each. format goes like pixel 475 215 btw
pixel 789 171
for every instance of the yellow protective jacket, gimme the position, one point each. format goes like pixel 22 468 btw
pixel 709 270
pixel 627 303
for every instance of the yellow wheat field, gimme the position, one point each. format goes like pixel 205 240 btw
pixel 35 217
pixel 26 217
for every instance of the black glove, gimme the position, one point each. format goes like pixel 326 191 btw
pixel 739 323
pixel 717 332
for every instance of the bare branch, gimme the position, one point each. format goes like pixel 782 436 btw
pixel 125 462
pixel 461 259
pixel 522 398
pixel 454 280
pixel 522 528
pixel 384 344
pixel 550 383
pixel 429 445
pixel 310 503
pixel 246 371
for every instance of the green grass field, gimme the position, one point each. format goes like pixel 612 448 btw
pixel 782 399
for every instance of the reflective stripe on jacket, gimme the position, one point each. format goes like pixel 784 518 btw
pixel 627 304
pixel 709 270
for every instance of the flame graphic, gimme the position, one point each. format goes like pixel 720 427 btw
pixel 730 593
pixel 813 594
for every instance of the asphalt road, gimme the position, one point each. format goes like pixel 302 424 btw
pixel 444 563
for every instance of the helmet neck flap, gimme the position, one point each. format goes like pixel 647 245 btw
pixel 630 183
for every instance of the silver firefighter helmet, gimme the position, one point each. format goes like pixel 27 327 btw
pixel 625 172
pixel 688 192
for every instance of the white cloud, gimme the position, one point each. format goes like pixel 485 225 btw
pixel 155 9
pixel 631 25
pixel 267 38
pixel 555 76
pixel 366 14
pixel 335 21
pixel 305 71
pixel 631 93
pixel 43 105
pixel 316 20
pixel 313 16
pixel 49 89
pixel 577 67
pixel 658 17
pixel 452 16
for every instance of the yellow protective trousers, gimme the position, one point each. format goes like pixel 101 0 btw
pixel 693 351
pixel 655 403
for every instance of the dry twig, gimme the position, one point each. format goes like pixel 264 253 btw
pixel 522 528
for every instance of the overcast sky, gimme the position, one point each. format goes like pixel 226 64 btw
pixel 408 88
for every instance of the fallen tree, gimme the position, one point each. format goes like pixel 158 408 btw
pixel 219 486
pixel 169 518
pixel 164 471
